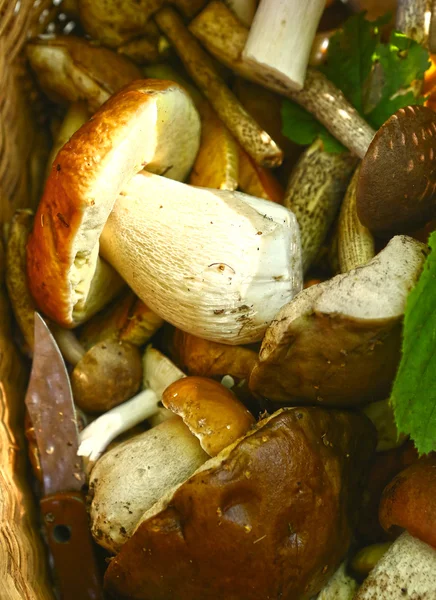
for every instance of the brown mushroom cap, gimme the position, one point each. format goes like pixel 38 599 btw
pixel 210 410
pixel 197 356
pixel 270 517
pixel 108 374
pixel 397 182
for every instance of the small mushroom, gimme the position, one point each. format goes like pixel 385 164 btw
pixel 274 511
pixel 397 184
pixel 211 411
pixel 409 501
pixel 71 69
pixel 108 374
pixel 132 476
pixel 405 572
pixel 158 373
pixel 367 558
pixel 204 358
pixel 339 342
pixel 293 25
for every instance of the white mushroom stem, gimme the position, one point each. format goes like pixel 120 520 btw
pixel 413 19
pixel 243 9
pixel 218 264
pixel 281 37
pixel 97 436
pixel 70 347
pixel 224 36
pixel 159 373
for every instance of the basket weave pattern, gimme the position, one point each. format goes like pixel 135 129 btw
pixel 23 572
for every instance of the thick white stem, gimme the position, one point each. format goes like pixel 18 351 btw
pixel 96 437
pixel 217 264
pixel 224 37
pixel 281 38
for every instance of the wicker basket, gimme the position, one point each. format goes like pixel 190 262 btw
pixel 23 151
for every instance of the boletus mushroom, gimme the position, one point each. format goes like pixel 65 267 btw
pixel 396 191
pixel 131 477
pixel 271 516
pixel 224 280
pixel 65 273
pixel 338 342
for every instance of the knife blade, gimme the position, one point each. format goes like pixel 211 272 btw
pixel 50 406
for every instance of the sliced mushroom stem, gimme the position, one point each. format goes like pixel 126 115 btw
pixel 70 347
pixel 97 436
pixel 224 36
pixel 413 19
pixel 284 55
pixel 243 9
pixel 249 134
pixel 314 193
pixel 356 245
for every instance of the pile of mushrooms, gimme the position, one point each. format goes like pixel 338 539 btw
pixel 235 402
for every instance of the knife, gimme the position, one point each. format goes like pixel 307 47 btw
pixel 50 406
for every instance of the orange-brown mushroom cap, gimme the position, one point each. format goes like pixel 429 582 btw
pixel 211 411
pixel 409 501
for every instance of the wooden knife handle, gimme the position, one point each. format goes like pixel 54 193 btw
pixel 70 541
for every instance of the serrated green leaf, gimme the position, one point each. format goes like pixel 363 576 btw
pixel 414 390
pixel 349 59
pixel 301 127
pixel 403 61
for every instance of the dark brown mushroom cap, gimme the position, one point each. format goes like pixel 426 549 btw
pixel 108 374
pixel 270 517
pixel 397 183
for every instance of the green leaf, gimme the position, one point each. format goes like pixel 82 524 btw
pixel 350 57
pixel 403 61
pixel 301 127
pixel 414 390
pixel 376 77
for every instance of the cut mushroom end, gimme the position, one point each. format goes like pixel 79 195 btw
pixel 339 342
pixel 210 410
